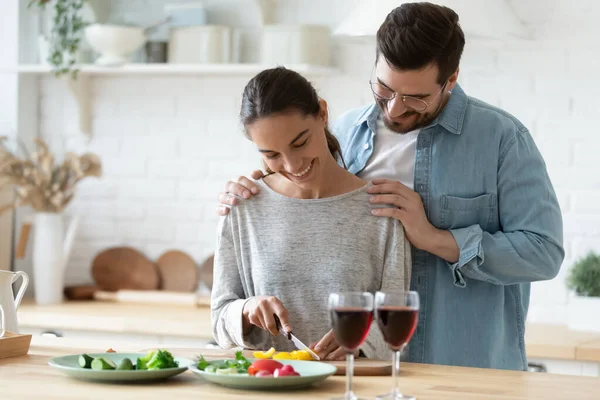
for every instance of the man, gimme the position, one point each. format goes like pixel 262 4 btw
pixel 467 182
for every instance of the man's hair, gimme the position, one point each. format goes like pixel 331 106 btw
pixel 416 34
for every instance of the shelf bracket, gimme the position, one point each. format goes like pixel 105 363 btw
pixel 80 88
pixel 268 10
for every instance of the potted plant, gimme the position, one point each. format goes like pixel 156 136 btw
pixel 47 188
pixel 584 304
pixel 65 35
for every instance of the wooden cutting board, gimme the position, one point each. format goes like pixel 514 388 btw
pixel 153 297
pixel 14 344
pixel 362 367
pixel 80 292
pixel 178 271
pixel 124 268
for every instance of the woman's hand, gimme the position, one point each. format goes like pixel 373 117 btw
pixel 329 349
pixel 260 311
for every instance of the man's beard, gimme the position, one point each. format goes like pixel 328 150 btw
pixel 423 119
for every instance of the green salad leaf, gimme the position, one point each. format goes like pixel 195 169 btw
pixel 239 364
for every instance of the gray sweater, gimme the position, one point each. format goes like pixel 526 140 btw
pixel 300 250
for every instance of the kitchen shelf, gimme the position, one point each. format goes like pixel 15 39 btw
pixel 174 69
pixel 80 88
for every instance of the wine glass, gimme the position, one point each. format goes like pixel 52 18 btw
pixel 397 316
pixel 351 316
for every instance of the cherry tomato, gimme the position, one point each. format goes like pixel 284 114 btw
pixel 265 365
pixel 264 374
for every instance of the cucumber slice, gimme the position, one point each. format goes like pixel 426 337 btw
pixel 126 365
pixel 85 361
pixel 102 364
pixel 227 371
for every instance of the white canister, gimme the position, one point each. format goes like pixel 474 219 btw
pixel 295 44
pixel 205 44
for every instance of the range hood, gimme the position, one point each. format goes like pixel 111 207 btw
pixel 487 19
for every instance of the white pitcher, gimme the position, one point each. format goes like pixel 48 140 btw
pixel 8 303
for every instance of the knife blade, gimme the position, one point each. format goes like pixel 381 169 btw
pixel 301 346
pixel 297 342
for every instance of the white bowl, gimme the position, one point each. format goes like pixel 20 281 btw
pixel 114 43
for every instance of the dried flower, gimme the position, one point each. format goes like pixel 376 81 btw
pixel 40 183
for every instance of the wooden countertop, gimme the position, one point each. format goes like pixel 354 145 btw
pixel 589 351
pixel 560 343
pixel 29 376
pixel 542 341
pixel 103 316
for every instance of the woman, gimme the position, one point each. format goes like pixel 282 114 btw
pixel 283 251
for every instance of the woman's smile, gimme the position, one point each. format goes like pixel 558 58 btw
pixel 303 174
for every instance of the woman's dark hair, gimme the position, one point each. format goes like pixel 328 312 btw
pixel 416 34
pixel 280 90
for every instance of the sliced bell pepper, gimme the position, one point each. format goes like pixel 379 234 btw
pixel 303 355
pixel 264 355
pixel 284 355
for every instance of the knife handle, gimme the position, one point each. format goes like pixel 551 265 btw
pixel 280 327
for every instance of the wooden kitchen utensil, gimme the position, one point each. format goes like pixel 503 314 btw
pixel 154 297
pixel 23 240
pixel 364 367
pixel 83 292
pixel 13 345
pixel 178 271
pixel 124 268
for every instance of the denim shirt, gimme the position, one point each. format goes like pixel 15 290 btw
pixel 480 176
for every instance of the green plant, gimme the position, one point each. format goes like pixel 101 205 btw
pixel 67 29
pixel 584 277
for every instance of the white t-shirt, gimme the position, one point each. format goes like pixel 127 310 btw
pixel 393 156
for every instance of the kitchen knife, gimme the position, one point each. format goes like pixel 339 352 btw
pixel 297 342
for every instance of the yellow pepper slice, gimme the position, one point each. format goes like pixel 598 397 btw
pixel 264 355
pixel 303 355
pixel 284 355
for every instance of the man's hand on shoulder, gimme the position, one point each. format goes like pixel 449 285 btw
pixel 242 188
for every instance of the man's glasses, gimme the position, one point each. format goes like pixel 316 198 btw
pixel 414 103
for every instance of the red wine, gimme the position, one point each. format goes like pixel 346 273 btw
pixel 397 325
pixel 351 326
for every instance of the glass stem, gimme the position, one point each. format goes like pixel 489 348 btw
pixel 349 373
pixel 396 372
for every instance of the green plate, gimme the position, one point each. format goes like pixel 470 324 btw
pixel 310 372
pixel 69 365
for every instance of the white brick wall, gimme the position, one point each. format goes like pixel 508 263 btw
pixel 169 144
pixel 164 162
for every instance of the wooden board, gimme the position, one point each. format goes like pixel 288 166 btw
pixel 362 367
pixel 124 268
pixel 13 345
pixel 81 292
pixel 178 271
pixel 154 297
